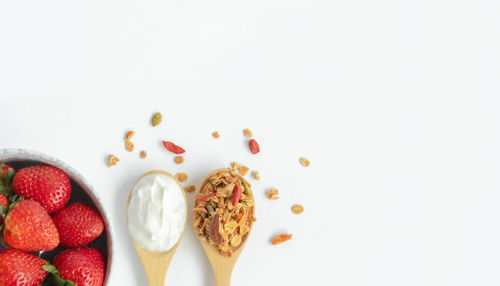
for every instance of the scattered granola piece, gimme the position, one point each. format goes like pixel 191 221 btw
pixel 297 209
pixel 190 188
pixel 235 165
pixel 215 134
pixel 129 146
pixel 243 170
pixel 129 135
pixel 304 162
pixel 182 177
pixel 143 154
pixel 256 175
pixel 273 194
pixel 179 159
pixel 280 238
pixel 156 119
pixel 247 132
pixel 112 160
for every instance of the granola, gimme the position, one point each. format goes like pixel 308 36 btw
pixel 112 160
pixel 272 194
pixel 190 188
pixel 224 211
pixel 181 177
pixel 297 209
pixel 304 162
pixel 179 159
pixel 247 132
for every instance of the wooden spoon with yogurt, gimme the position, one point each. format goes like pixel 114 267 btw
pixel 223 266
pixel 156 263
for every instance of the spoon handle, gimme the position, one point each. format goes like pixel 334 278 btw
pixel 223 279
pixel 155 265
pixel 222 274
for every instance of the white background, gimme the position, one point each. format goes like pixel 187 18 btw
pixel 396 104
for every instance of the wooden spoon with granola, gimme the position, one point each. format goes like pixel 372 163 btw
pixel 224 212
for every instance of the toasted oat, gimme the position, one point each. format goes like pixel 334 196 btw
pixel 129 146
pixel 235 165
pixel 143 154
pixel 157 117
pixel 304 162
pixel 215 134
pixel 182 177
pixel 243 170
pixel 190 188
pixel 280 238
pixel 129 135
pixel 112 160
pixel 297 209
pixel 256 175
pixel 273 194
pixel 179 159
pixel 247 132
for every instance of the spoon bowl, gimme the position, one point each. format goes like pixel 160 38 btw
pixel 156 263
pixel 221 265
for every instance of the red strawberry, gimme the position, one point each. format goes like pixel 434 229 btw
pixel 47 185
pixel 20 268
pixel 30 228
pixel 6 177
pixel 84 266
pixel 78 225
pixel 4 205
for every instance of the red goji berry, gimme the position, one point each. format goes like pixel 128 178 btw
pixel 205 197
pixel 254 146
pixel 173 148
pixel 236 195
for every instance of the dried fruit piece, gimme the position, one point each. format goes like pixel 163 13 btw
pixel 215 134
pixel 143 154
pixel 280 238
pixel 297 209
pixel 273 194
pixel 214 230
pixel 190 188
pixel 256 175
pixel 254 146
pixel 304 162
pixel 173 148
pixel 205 197
pixel 129 135
pixel 129 146
pixel 179 159
pixel 236 194
pixel 112 160
pixel 156 119
pixel 243 170
pixel 247 132
pixel 182 177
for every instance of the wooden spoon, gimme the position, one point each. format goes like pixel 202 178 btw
pixel 223 266
pixel 156 263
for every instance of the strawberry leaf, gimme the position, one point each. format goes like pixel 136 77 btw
pixel 54 278
pixel 3 210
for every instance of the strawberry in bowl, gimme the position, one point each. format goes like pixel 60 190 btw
pixel 48 209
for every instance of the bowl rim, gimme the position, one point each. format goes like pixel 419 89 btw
pixel 21 154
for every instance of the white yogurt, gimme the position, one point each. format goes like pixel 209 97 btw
pixel 157 212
